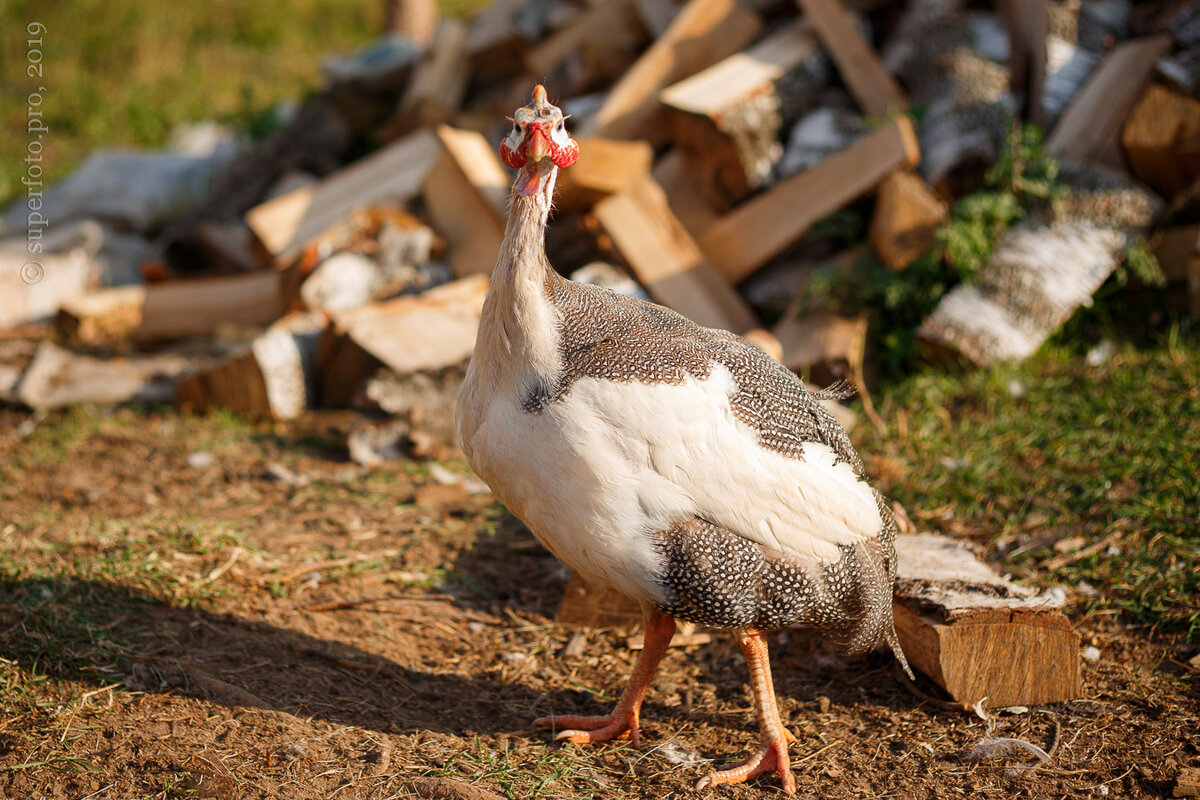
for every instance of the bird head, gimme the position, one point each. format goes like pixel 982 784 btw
pixel 539 132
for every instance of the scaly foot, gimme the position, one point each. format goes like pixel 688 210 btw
pixel 590 730
pixel 771 757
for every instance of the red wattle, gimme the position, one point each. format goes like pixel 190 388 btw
pixel 512 158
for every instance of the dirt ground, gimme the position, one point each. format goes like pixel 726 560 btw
pixel 270 620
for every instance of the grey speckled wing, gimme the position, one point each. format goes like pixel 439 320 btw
pixel 613 337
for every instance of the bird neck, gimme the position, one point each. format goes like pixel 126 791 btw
pixel 518 316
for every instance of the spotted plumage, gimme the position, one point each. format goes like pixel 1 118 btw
pixel 678 464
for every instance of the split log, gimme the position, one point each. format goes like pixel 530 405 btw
pixel 828 343
pixel 686 200
pixel 496 43
pixel 174 309
pixel 1028 25
pixel 275 376
pixel 1089 130
pixel 977 634
pixel 906 219
pixel 1034 280
pixel 1178 253
pixel 1040 272
pixel 1161 140
pixel 605 167
pixel 394 174
pixel 727 119
pixel 1187 784
pixel 34 287
pixel 1183 69
pixel 656 15
pixel 58 377
pixel 415 19
pixel 588 54
pixel 963 90
pixel 702 33
pixel 588 605
pixel 428 331
pixel 667 261
pixel 763 227
pixel 466 195
pixel 872 85
pixel 438 83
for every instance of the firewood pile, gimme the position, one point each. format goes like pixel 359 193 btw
pixel 342 261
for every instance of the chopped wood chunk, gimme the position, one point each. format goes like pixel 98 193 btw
pixel 977 634
pixel 605 166
pixel 702 33
pixel 1089 129
pixel 727 119
pixel 872 85
pixel 1161 140
pixel 428 331
pixel 395 173
pixel 466 194
pixel 907 216
pixel 764 226
pixel 667 261
pixel 274 378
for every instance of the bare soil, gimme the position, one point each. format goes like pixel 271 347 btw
pixel 325 631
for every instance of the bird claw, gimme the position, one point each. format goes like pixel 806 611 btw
pixel 771 757
pixel 591 730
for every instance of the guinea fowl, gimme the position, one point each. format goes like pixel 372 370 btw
pixel 679 464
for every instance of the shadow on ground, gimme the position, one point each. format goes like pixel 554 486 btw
pixel 102 633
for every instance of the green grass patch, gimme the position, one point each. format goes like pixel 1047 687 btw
pixel 1057 450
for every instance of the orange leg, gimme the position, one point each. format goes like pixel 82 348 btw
pixel 772 755
pixel 623 719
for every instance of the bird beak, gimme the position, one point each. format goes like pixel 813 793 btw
pixel 539 145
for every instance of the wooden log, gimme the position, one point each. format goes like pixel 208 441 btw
pixel 58 377
pixel 1040 272
pixel 906 219
pixel 761 228
pixel 1178 253
pixel 1187 783
pixel 667 261
pixel 588 605
pixel 1089 130
pixel 466 195
pixel 588 54
pixel 727 119
pixel 1028 25
pixel 34 287
pixel 174 309
pixel 103 316
pixel 1161 140
pixel 977 634
pixel 1034 280
pixel 428 331
pixel 415 19
pixel 439 82
pixel 872 85
pixel 687 202
pixel 605 167
pixel 395 173
pixel 495 43
pixel 275 377
pixel 702 33
pixel 824 340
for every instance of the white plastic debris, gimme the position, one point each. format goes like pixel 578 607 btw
pixel 1091 654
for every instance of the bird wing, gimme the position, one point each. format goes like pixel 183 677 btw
pixel 717 446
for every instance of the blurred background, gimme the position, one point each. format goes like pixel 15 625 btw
pixel 243 252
